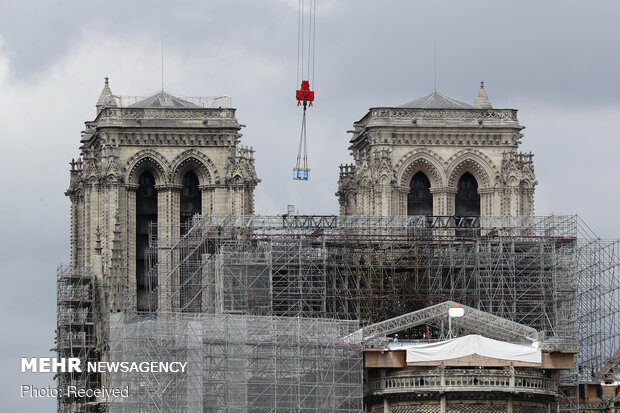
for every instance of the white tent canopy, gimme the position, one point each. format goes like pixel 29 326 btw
pixel 472 344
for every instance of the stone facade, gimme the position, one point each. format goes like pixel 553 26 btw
pixel 166 137
pixel 471 390
pixel 158 160
pixel 443 139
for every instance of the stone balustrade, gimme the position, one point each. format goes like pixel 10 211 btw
pixel 462 380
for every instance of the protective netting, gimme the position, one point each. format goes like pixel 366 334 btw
pixel 238 363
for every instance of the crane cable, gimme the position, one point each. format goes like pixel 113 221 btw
pixel 299 40
pixel 305 95
pixel 302 50
pixel 302 143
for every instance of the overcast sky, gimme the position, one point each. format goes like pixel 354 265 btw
pixel 557 62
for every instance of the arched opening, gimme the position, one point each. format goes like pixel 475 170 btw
pixel 191 200
pixel 190 205
pixel 146 213
pixel 467 200
pixel 420 199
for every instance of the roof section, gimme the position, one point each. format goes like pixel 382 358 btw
pixel 437 101
pixel 163 100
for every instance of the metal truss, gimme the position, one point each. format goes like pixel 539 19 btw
pixel 473 321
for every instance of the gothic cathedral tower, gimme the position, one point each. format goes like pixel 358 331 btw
pixel 162 160
pixel 438 156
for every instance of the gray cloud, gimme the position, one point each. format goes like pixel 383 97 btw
pixel 555 62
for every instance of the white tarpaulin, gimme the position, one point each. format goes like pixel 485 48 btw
pixel 472 344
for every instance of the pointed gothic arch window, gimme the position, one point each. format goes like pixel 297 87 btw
pixel 420 199
pixel 191 199
pixel 146 213
pixel 467 200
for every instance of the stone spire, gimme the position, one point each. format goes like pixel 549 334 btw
pixel 482 100
pixel 106 98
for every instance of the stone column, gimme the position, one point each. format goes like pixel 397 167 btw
pixel 235 199
pixel 386 403
pixel 496 202
pixel 443 201
pixel 372 201
pixel 168 231
pixel 249 198
pixel 528 204
pixel 514 200
pixel 442 382
pixel 368 201
pixel 207 193
pixel 383 196
pixel 220 200
pixel 112 193
pixel 375 201
pixel 240 208
pixel 74 235
pixel 511 201
pixel 87 227
pixel 486 201
pixel 130 226
pixel 443 205
pixel 399 200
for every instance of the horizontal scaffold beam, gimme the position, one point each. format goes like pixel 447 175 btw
pixel 528 225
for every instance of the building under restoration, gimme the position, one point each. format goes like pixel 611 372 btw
pixel 168 263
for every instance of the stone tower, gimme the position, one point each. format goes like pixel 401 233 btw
pixel 438 156
pixel 161 159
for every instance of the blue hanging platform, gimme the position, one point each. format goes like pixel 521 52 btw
pixel 301 174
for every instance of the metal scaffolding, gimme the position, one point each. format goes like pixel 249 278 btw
pixel 261 306
pixel 75 335
pixel 549 272
pixel 371 268
pixel 238 363
pixel 598 275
